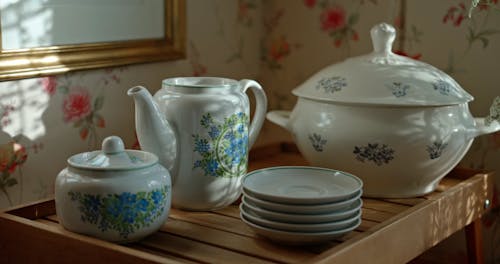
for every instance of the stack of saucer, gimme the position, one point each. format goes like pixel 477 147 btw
pixel 298 205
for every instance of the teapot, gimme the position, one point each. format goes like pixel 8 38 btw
pixel 199 129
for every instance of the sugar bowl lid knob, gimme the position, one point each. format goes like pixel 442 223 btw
pixel 383 36
pixel 113 145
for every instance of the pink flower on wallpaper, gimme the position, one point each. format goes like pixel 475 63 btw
pixel 333 18
pixel 77 106
pixel 485 5
pixel 310 3
pixel 416 56
pixel 49 84
pixel 5 111
pixel 279 49
pixel 12 155
pixel 198 69
pixel 244 7
pixel 455 14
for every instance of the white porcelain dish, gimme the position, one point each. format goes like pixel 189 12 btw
pixel 399 124
pixel 319 227
pixel 298 238
pixel 304 208
pixel 301 185
pixel 350 212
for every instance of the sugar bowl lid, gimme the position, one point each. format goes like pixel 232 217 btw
pixel 383 78
pixel 113 156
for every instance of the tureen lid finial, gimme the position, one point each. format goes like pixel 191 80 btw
pixel 383 36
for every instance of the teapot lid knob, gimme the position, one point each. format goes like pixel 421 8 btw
pixel 113 145
pixel 383 36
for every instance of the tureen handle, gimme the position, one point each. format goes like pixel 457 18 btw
pixel 279 117
pixel 383 36
pixel 489 124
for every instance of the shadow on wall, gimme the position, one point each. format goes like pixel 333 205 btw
pixel 22 105
pixel 26 24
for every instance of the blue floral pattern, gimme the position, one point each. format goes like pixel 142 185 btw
pixel 224 150
pixel 331 84
pixel 436 149
pixel 124 213
pixel 442 87
pixel 375 152
pixel 398 89
pixel 317 141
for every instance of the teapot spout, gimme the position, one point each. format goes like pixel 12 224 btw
pixel 153 130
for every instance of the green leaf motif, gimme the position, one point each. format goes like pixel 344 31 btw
pixel 98 103
pixel 10 182
pixel 353 19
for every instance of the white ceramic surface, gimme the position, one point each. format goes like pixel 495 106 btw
pixel 294 227
pixel 301 185
pixel 120 198
pixel 298 238
pixel 383 78
pixel 349 212
pixel 199 128
pixel 325 208
pixel 398 124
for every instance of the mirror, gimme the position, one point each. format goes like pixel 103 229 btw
pixel 47 37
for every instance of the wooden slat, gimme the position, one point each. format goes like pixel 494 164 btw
pixel 406 201
pixel 196 251
pixel 208 219
pixel 374 215
pixel 417 229
pixel 181 248
pixel 161 254
pixel 366 225
pixel 27 241
pixel 243 244
pixel 232 211
pixel 384 206
pixel 35 209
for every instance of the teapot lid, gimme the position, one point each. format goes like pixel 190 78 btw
pixel 383 78
pixel 113 156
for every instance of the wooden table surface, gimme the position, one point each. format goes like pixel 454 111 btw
pixel 392 230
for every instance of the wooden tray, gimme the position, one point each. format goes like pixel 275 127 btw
pixel 407 227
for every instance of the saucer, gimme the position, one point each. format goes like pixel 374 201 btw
pixel 298 238
pixel 318 227
pixel 350 212
pixel 302 208
pixel 301 185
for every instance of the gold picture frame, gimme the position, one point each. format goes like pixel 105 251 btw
pixel 44 61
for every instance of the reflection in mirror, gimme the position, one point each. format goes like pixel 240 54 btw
pixel 42 23
pixel 45 37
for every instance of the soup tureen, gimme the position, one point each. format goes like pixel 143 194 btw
pixel 397 123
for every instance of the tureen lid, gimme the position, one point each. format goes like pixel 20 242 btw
pixel 383 78
pixel 113 156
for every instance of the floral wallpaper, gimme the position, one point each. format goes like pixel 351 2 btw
pixel 280 43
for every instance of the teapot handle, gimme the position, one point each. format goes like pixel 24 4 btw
pixel 260 109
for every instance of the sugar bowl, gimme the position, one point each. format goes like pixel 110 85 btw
pixel 113 194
